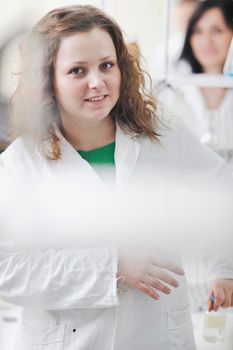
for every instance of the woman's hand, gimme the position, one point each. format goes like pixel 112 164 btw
pixel 220 294
pixel 146 273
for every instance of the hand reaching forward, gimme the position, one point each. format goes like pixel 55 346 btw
pixel 146 273
pixel 220 294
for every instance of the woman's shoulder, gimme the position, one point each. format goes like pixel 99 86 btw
pixel 16 147
pixel 168 125
pixel 171 131
pixel 17 152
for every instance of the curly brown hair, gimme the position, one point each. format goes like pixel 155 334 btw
pixel 135 110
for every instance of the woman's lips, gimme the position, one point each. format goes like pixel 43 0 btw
pixel 96 98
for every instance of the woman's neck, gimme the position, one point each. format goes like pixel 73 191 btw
pixel 89 135
pixel 213 70
pixel 213 97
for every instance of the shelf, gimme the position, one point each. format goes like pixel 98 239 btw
pixel 203 80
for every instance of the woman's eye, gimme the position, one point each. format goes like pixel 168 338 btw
pixel 106 65
pixel 77 70
pixel 216 30
pixel 197 31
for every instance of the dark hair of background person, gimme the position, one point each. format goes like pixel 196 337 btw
pixel 136 109
pixel 225 6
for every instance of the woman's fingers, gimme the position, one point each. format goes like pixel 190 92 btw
pixel 163 276
pixel 146 273
pixel 154 283
pixel 146 289
pixel 216 298
pixel 220 294
pixel 150 286
pixel 219 299
pixel 227 301
pixel 210 301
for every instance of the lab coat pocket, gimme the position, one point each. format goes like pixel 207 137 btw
pixel 50 339
pixel 180 331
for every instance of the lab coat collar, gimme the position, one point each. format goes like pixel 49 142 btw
pixel 126 155
pixel 77 168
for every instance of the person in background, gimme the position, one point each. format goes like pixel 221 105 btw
pixel 81 103
pixel 181 12
pixel 206 46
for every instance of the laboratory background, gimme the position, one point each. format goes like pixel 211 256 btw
pixel 156 30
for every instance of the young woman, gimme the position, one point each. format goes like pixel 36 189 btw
pixel 81 106
pixel 207 42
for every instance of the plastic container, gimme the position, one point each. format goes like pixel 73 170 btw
pixel 214 326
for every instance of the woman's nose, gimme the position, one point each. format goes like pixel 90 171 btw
pixel 95 81
pixel 208 38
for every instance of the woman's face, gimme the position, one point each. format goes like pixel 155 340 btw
pixel 86 77
pixel 210 41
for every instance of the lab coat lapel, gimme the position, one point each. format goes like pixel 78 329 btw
pixel 78 168
pixel 126 155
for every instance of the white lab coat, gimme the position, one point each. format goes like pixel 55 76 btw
pixel 69 297
pixel 190 104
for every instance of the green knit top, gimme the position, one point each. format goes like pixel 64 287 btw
pixel 103 156
pixel 103 162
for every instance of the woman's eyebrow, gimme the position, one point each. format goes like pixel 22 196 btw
pixel 101 59
pixel 80 63
pixel 107 57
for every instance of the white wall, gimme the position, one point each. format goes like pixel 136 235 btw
pixel 144 20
